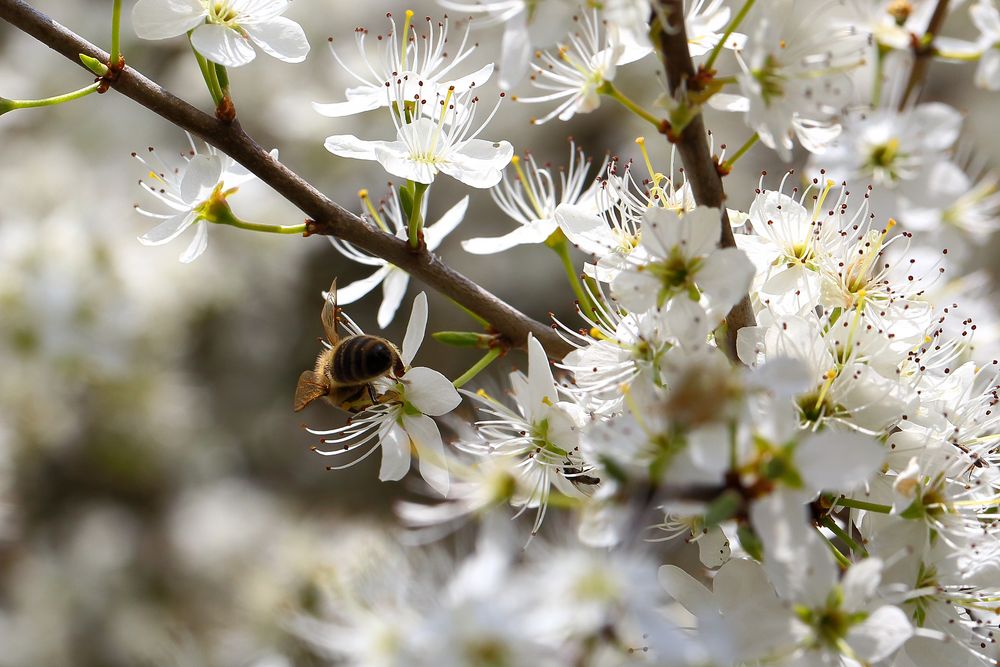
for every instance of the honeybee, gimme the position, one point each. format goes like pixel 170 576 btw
pixel 344 372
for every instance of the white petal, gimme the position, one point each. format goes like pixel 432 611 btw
pixel 395 454
pixel 523 235
pixel 729 102
pixel 393 291
pixel 427 440
pixel 831 461
pixel 430 392
pixel 687 320
pixel 168 230
pixel 988 72
pixel 434 234
pixel 348 145
pixel 725 278
pixel 713 548
pixel 700 231
pixel 661 229
pixel 937 125
pixel 987 19
pixel 280 37
pixel 362 98
pixel 160 19
pixel 880 634
pixel 198 243
pixel 686 590
pixel 636 290
pixel 860 583
pixel 477 78
pixel 222 45
pixel 359 288
pixel 479 163
pixel 415 329
pixel 515 51
pixel 200 178
pixel 541 386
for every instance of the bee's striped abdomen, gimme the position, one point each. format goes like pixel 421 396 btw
pixel 359 359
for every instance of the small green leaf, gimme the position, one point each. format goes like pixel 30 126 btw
pixel 750 542
pixel 723 507
pixel 93 64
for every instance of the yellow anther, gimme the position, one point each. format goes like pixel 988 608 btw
pixel 363 193
pixel 516 160
pixel 596 334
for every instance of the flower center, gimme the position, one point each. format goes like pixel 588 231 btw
pixel 772 83
pixel 222 11
pixel 883 160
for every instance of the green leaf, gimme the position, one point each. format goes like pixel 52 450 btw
pixel 93 64
pixel 723 507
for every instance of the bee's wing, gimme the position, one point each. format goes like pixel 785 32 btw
pixel 310 387
pixel 329 315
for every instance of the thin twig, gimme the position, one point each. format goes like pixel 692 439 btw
pixel 328 217
pixel 700 169
pixel 923 52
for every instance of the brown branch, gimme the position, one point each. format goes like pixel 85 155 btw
pixel 328 217
pixel 700 169
pixel 923 52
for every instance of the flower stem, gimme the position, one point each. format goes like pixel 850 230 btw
pixel 558 242
pixel 116 24
pixel 416 215
pixel 471 314
pixel 844 537
pixel 208 73
pixel 222 76
pixel 216 210
pixel 737 20
pixel 609 89
pixel 862 505
pixel 477 367
pixel 843 560
pixel 958 57
pixel 9 105
pixel 747 145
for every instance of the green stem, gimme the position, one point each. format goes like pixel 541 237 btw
pixel 729 31
pixel 844 537
pixel 416 215
pixel 958 57
pixel 843 560
pixel 216 210
pixel 208 73
pixel 483 321
pixel 477 367
pixel 747 145
pixel 116 22
pixel 609 89
pixel 561 247
pixel 9 105
pixel 862 505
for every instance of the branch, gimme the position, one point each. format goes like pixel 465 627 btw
pixel 923 51
pixel 328 217
pixel 700 169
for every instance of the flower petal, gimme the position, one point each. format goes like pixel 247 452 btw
pixel 198 243
pixel 880 634
pixel 415 329
pixel 160 19
pixel 202 175
pixel 725 278
pixel 348 145
pixel 430 392
pixel 280 37
pixel 360 288
pixel 168 230
pixel 523 235
pixel 359 99
pixel 831 461
pixel 393 291
pixel 541 386
pixel 222 45
pixel 433 463
pixel 479 163
pixel 395 454
pixel 434 234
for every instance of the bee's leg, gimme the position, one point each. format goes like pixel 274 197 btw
pixel 371 394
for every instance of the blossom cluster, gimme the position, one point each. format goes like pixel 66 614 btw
pixel 791 385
